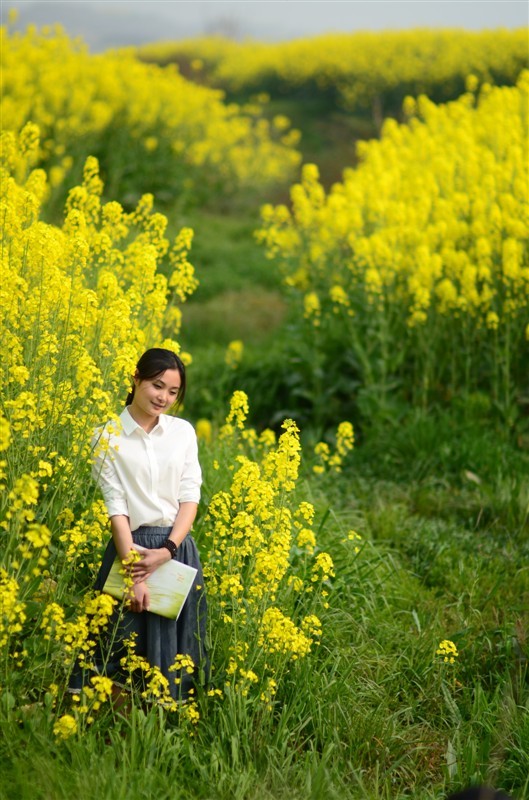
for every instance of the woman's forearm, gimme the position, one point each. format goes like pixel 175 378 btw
pixel 121 534
pixel 158 556
pixel 183 522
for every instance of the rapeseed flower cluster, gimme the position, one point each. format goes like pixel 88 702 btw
pixel 363 70
pixel 87 533
pixel 447 651
pixel 239 409
pixel 204 430
pixel 65 726
pixel 264 573
pixel 12 608
pixel 234 354
pixel 280 635
pixel 154 130
pixel 80 302
pixel 77 638
pixel 327 460
pixel 425 243
pixel 355 537
pixel 86 704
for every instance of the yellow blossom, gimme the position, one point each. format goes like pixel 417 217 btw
pixel 312 308
pixel 234 354
pixel 203 430
pixel 65 727
pixel 448 651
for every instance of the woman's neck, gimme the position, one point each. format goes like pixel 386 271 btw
pixel 145 421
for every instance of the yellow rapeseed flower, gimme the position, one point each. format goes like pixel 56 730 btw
pixel 65 727
pixel 448 651
pixel 234 354
pixel 203 430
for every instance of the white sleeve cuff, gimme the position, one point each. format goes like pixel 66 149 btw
pixel 116 505
pixel 189 497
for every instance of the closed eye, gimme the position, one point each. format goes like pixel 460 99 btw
pixel 159 385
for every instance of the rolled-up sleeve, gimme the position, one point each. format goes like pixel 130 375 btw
pixel 191 479
pixel 105 475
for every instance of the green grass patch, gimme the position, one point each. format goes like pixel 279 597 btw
pixel 251 315
pixel 375 713
pixel 225 254
pixel 328 134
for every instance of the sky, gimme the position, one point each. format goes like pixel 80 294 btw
pixel 115 23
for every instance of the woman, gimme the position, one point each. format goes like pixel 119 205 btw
pixel 150 477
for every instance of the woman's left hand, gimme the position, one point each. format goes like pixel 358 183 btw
pixel 149 561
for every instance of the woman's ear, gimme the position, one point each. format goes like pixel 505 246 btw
pixel 136 378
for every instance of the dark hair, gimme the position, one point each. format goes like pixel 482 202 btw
pixel 155 361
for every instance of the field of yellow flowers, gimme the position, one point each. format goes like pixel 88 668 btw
pixel 367 606
pixel 151 130
pixel 362 71
pixel 419 260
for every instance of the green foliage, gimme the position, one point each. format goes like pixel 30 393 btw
pixel 377 714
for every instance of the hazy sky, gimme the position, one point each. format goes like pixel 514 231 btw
pixel 108 23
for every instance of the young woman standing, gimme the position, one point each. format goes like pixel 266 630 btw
pixel 150 477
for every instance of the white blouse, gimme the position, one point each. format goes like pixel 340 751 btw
pixel 147 475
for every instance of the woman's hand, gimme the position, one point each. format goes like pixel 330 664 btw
pixel 139 597
pixel 150 560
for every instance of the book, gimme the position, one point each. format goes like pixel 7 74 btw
pixel 169 585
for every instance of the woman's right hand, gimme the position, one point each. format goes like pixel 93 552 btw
pixel 139 599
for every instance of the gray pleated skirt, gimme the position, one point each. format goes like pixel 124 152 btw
pixel 158 639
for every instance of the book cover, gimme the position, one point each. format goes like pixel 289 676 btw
pixel 168 585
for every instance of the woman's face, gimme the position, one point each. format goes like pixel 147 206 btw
pixel 155 396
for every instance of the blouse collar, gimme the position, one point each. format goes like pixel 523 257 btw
pixel 129 424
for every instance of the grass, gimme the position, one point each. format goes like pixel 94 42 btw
pixel 374 713
pixel 239 294
pixel 251 315
pixel 225 253
pixel 328 135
